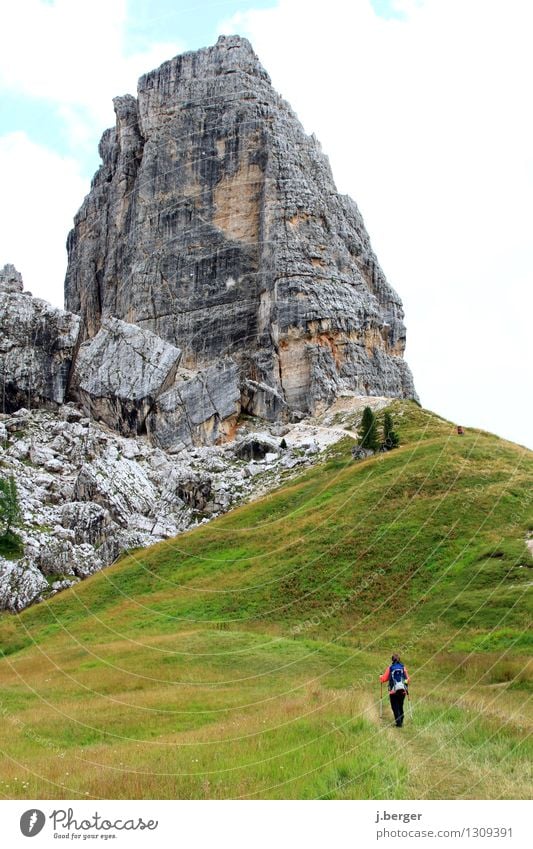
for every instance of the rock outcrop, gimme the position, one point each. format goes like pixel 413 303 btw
pixel 10 279
pixel 126 376
pixel 87 494
pixel 214 222
pixel 200 409
pixel 119 374
pixel 37 344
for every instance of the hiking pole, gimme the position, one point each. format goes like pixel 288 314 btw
pixel 409 705
pixel 381 702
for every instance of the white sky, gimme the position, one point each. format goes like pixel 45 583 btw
pixel 426 119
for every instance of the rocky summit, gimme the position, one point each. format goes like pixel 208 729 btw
pixel 221 299
pixel 214 223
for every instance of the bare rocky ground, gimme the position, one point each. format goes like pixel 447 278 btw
pixel 88 494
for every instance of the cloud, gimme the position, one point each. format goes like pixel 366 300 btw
pixel 424 117
pixel 40 194
pixel 74 55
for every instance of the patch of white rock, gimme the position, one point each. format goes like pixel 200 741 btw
pixel 88 494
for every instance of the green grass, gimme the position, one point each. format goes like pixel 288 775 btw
pixel 241 659
pixel 11 546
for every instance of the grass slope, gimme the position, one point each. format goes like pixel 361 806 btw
pixel 241 659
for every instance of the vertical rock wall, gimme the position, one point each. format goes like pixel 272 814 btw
pixel 215 223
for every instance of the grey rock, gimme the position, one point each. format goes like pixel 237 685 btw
pixel 256 446
pixel 39 455
pixel 291 462
pixel 265 401
pixel 10 279
pixel 44 480
pixel 21 584
pixel 109 494
pixel 20 449
pixel 71 413
pixel 54 464
pixel 57 586
pixel 119 374
pixel 63 558
pixel 64 533
pixel 121 487
pixel 87 560
pixel 214 222
pixel 359 453
pixel 195 491
pixel 200 410
pixel 37 344
pixel 57 557
pixel 131 449
pixel 88 522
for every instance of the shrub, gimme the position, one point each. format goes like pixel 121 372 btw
pixel 390 437
pixel 368 432
pixel 9 506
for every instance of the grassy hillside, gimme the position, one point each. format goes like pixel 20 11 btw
pixel 241 659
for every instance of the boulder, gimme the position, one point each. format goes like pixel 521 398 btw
pixel 21 583
pixel 37 344
pixel 121 487
pixel 200 410
pixel 196 492
pixel 256 446
pixel 359 453
pixel 89 522
pixel 120 373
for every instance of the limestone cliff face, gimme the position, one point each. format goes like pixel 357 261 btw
pixel 37 346
pixel 214 222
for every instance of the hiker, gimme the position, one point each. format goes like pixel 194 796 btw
pixel 460 430
pixel 398 677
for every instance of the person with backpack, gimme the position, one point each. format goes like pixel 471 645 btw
pixel 398 678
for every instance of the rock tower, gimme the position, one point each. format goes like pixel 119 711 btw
pixel 214 222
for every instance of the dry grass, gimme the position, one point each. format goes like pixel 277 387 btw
pixel 241 660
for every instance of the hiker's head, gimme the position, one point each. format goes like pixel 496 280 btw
pixel 395 658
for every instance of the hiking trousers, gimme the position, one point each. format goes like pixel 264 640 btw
pixel 396 703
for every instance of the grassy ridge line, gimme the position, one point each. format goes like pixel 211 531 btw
pixel 344 537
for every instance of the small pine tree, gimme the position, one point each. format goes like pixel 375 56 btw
pixel 390 437
pixel 368 432
pixel 9 505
